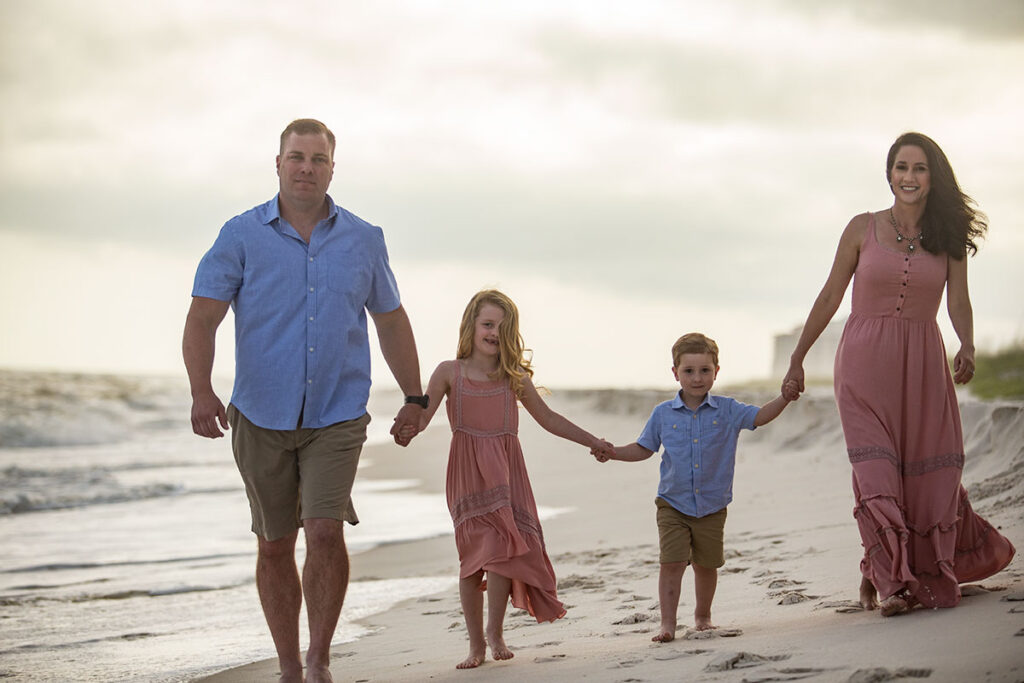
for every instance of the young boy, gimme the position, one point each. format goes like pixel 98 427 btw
pixel 699 432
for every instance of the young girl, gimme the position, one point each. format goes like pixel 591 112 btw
pixel 489 494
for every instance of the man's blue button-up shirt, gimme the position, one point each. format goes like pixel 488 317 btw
pixel 699 459
pixel 301 345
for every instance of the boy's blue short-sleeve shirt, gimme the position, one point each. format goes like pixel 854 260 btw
pixel 699 456
pixel 301 345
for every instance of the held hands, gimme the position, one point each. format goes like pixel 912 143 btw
pixel 793 383
pixel 790 390
pixel 407 423
pixel 603 451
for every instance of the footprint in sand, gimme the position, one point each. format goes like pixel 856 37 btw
pixel 879 675
pixel 740 660
pixel 634 618
pixel 626 663
pixel 665 656
pixel 787 674
pixel 764 576
pixel 793 597
pixel 585 583
pixel 708 634
pixel 549 659
pixel 550 643
pixel 841 606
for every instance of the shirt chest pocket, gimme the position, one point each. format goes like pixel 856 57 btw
pixel 679 431
pixel 350 279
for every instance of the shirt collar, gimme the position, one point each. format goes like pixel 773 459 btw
pixel 273 210
pixel 677 402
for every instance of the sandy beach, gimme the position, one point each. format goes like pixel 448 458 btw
pixel 786 602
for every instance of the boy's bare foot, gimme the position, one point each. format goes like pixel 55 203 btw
pixel 868 594
pixel 703 622
pixel 474 660
pixel 665 636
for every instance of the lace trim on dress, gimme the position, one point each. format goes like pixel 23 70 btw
pixel 526 522
pixel 908 469
pixel 872 453
pixel 937 462
pixel 476 504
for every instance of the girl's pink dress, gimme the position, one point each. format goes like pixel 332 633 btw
pixel 902 426
pixel 490 499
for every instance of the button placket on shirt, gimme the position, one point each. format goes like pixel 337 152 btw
pixel 311 285
pixel 695 433
pixel 904 284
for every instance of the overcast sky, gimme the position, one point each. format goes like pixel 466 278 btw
pixel 627 172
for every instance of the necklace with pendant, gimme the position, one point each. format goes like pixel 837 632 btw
pixel 900 237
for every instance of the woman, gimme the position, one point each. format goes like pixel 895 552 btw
pixel 893 387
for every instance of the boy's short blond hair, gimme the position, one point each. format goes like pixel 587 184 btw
pixel 694 342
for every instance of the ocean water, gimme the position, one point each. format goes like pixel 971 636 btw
pixel 125 550
pixel 125 553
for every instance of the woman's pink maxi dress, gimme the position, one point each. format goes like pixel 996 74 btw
pixel 489 496
pixel 902 426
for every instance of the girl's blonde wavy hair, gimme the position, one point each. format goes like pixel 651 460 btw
pixel 513 360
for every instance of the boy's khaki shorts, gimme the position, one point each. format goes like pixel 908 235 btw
pixel 296 474
pixel 696 540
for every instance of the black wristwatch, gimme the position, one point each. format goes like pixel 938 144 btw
pixel 422 401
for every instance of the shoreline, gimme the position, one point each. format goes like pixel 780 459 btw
pixel 786 601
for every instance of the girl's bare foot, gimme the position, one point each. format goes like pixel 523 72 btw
pixel 474 660
pixel 499 650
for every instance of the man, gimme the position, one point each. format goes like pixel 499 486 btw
pixel 300 273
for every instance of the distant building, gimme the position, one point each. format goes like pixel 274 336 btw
pixel 820 359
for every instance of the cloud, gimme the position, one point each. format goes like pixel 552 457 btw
pixel 978 19
pixel 618 149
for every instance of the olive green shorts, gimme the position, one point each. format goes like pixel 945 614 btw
pixel 694 540
pixel 296 474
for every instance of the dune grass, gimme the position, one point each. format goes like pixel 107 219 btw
pixel 1000 374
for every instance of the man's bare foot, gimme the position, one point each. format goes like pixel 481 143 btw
pixel 474 660
pixel 703 623
pixel 291 674
pixel 868 594
pixel 894 604
pixel 664 636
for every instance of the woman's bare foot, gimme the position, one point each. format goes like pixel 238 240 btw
pixel 499 650
pixel 868 594
pixel 474 660
pixel 895 604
